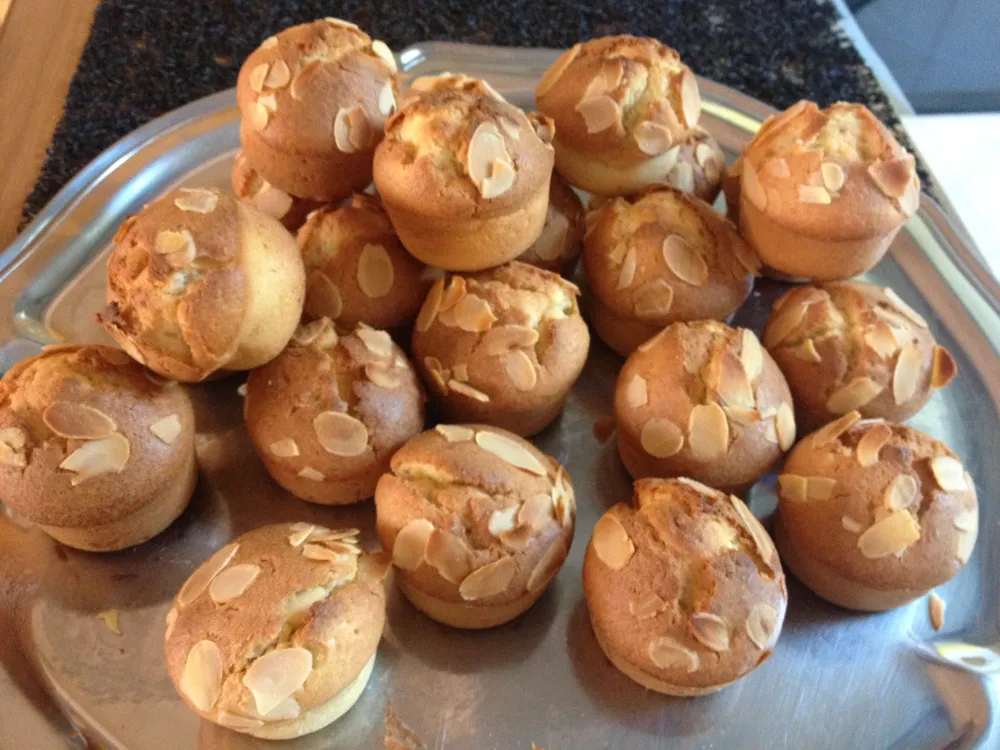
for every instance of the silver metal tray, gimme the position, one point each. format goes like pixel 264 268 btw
pixel 837 680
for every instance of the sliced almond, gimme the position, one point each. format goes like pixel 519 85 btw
pixel 510 450
pixel 197 200
pixel 611 542
pixel 761 539
pixel 654 298
pixel 751 354
pixel 257 76
pixel 520 369
pixel 375 272
pixel 259 116
pixel 12 443
pixel 855 527
pixel 777 168
pixel 784 424
pixel 300 532
pixel 322 297
pixel 703 154
pixel 232 582
pixel 449 555
pixel 277 675
pixel 490 580
pixel 806 351
pixel 872 442
pixel 906 375
pixel 793 487
pixel 383 375
pixel 637 396
pixel 503 520
pixel 762 625
pixel 201 681
pixel 278 76
pixel 666 653
pixel 684 261
pixel 467 390
pixel 381 49
pixel 285 448
pixel 891 535
pixel 652 341
pixel 501 339
pixel 682 177
pixel 319 333
pixel 454 433
pixel 909 201
pixel 386 100
pixel 905 309
pixel 547 566
pixel 943 367
pixel 203 576
pixel 814 194
pixel 751 189
pixel 734 387
pixel 340 434
pixel 690 98
pixel 836 428
pixel 711 631
pixel 881 339
pixel 626 274
pixel 107 455
pixel 652 138
pixel 499 180
pixel 600 113
pixel 486 149
pixel 949 474
pixel 377 342
pixel 517 538
pixel 935 611
pixel 167 429
pixel 647 607
pixel 312 474
pixel 536 512
pixel 819 488
pixel 967 523
pixel 783 322
pixel 69 419
pixel 744 417
pixel 429 310
pixel 853 395
pixel 661 438
pixel 901 494
pixel 833 176
pixel 708 432
pixel 410 546
pixel 473 313
pixel 556 70
pixel 343 128
pixel 893 176
pixel 177 247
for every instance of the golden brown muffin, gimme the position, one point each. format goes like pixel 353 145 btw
pixel 94 448
pixel 200 282
pixel 685 590
pixel 824 192
pixel 478 522
pixel 873 514
pixel 249 186
pixel 621 104
pixel 731 189
pixel 357 271
pixel 849 345
pixel 327 414
pixel 502 347
pixel 705 401
pixel 275 634
pixel 662 258
pixel 313 101
pixel 465 176
pixel 559 245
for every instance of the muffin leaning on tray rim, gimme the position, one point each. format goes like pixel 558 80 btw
pixel 275 634
pixel 502 346
pixel 873 515
pixel 685 590
pixel 201 283
pixel 824 192
pixel 660 258
pixel 849 345
pixel 94 448
pixel 478 522
pixel 328 413
pixel 464 175
pixel 313 100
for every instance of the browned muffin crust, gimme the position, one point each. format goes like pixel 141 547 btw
pixel 661 258
pixel 559 245
pixel 685 590
pixel 874 514
pixel 850 345
pixel 313 101
pixel 89 440
pixel 249 186
pixel 503 346
pixel 357 270
pixel 478 522
pixel 274 635
pixel 327 414
pixel 705 401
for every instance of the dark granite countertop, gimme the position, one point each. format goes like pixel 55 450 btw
pixel 145 58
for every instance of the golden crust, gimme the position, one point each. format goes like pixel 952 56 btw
pixel 292 92
pixel 46 390
pixel 845 520
pixel 355 249
pixel 227 296
pixel 665 257
pixel 514 334
pixel 334 608
pixel 687 405
pixel 249 186
pixel 849 331
pixel 691 566
pixel 487 510
pixel 559 245
pixel 320 373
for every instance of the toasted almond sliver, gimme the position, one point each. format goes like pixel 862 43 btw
pixel 386 99
pixel 381 49
pixel 106 455
pixel 784 424
pixel 340 434
pixel 474 314
pixel 744 417
pixel 906 375
pixel 836 428
pixel 232 582
pixel 285 448
pixel 684 261
pixel 490 580
pixel 793 487
pixel 312 474
pixel 666 653
pixel 806 351
pixel 342 134
pixel 503 520
pixel 777 168
pixel 167 429
pixel 935 610
pixel 751 189
pixel 257 76
pixel 710 630
pixel 276 675
pixel 783 321
pixel 871 443
pixel 520 369
pixel 429 310
pixel 511 450
pixel 905 309
pixel 69 419
pixel 375 272
pixel 384 376
pixel 967 523
pixel 762 625
pixel 467 390
pixel 278 76
pixel 881 339
pixel 626 274
pixel 690 98
pixel 377 342
pixel 901 494
pixel 833 176
pixel 636 394
pixel 300 532
pixel 734 387
pixel 547 566
pixel 682 177
pixel 486 148
pixel 410 545
pixel 661 438
pixel 611 542
pixel 449 555
pixel 819 488
pixel 644 609
pixel 500 179
pixel 536 512
pixel 259 116
pixel 891 535
pixel 708 432
pixel 197 200
pixel 853 395
pixel 893 176
pixel 949 474
pixel 600 113
pixel 654 298
pixel 751 354
pixel 851 525
pixel 652 138
pixel 943 367
pixel 176 246
pixel 201 681
pixel 202 577
pixel 501 339
pixel 704 154
pixel 322 297
pixel 454 433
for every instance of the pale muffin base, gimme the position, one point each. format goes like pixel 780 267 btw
pixel 523 422
pixel 467 616
pixel 594 175
pixel 331 491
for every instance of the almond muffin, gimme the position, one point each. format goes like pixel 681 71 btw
pixel 559 245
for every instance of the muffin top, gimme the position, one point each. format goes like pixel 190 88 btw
pixel 459 149
pixel 621 96
pixel 88 436
pixel 686 585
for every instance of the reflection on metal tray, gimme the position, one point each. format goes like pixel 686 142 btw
pixel 837 679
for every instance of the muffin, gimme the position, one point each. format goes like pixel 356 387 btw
pixel 201 283
pixel 326 415
pixel 705 401
pixel 659 259
pixel 685 590
pixel 502 347
pixel 731 189
pixel 559 245
pixel 824 192
pixel 465 176
pixel 313 101
pixel 873 515
pixel 275 634
pixel 94 449
pixel 621 105
pixel 249 186
pixel 356 269
pixel 849 345
pixel 478 522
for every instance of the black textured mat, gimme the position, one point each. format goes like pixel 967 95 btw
pixel 145 58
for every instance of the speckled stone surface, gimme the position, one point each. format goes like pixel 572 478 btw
pixel 145 58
